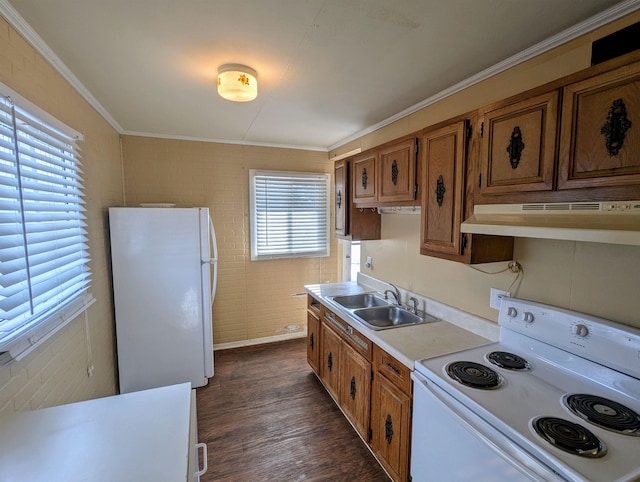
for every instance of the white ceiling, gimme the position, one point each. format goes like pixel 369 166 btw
pixel 328 70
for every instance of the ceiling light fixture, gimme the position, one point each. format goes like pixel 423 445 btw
pixel 237 82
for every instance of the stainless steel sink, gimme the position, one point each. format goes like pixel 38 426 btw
pixel 391 316
pixel 363 300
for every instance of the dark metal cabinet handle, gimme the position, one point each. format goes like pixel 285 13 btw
pixel 353 388
pixel 330 361
pixel 440 190
pixel 394 172
pixel 388 429
pixel 615 128
pixel 515 148
pixel 311 341
pixel 392 368
pixel 364 178
pixel 339 199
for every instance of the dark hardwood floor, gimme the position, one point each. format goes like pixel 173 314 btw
pixel 265 417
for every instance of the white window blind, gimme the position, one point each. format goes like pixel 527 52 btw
pixel 43 250
pixel 289 214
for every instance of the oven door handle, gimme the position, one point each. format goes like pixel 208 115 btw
pixel 506 449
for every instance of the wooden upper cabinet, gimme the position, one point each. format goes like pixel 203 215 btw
pixel 397 173
pixel 447 198
pixel 341 200
pixel 350 222
pixel 364 178
pixel 519 145
pixel 600 131
pixel 443 188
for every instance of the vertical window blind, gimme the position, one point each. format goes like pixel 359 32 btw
pixel 289 214
pixel 43 239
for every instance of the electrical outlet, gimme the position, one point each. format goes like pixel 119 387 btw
pixel 90 369
pixel 369 263
pixel 496 298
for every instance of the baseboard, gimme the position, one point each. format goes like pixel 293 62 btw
pixel 260 341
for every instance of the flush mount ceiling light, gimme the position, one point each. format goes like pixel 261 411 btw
pixel 237 82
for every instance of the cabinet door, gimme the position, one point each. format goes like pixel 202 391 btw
pixel 364 179
pixel 313 341
pixel 330 368
pixel 600 131
pixel 340 182
pixel 519 146
pixel 355 388
pixel 390 426
pixel 443 189
pixel 397 173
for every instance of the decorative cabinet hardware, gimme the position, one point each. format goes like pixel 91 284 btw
pixel 615 127
pixel 339 199
pixel 440 190
pixel 330 361
pixel 392 368
pixel 515 148
pixel 364 178
pixel 311 341
pixel 388 429
pixel 394 172
pixel 352 392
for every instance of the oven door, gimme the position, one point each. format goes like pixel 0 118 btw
pixel 451 443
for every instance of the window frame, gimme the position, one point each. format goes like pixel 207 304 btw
pixel 18 341
pixel 322 178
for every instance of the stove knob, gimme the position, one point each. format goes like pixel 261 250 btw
pixel 580 330
pixel 527 317
pixel 512 312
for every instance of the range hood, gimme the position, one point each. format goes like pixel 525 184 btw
pixel 614 222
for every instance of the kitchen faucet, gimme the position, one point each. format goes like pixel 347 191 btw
pixel 396 293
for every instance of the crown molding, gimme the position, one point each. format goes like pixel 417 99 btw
pixel 11 15
pixel 589 25
pixel 225 141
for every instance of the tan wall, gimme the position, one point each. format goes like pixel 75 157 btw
pixel 56 372
pixel 254 298
pixel 595 278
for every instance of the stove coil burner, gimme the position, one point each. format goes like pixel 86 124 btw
pixel 508 361
pixel 604 413
pixel 474 375
pixel 569 436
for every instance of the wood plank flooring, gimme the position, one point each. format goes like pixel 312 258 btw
pixel 265 417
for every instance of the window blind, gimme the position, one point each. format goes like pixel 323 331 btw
pixel 289 214
pixel 43 239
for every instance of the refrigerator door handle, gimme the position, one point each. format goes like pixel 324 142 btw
pixel 213 260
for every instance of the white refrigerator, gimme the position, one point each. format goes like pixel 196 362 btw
pixel 164 264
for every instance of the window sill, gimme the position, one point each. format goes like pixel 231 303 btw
pixel 28 338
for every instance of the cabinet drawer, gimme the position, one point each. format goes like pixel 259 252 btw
pixel 355 339
pixel 314 305
pixel 391 368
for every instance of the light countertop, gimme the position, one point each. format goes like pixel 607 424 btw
pixel 137 436
pixel 409 344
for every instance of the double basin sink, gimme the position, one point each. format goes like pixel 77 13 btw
pixel 378 313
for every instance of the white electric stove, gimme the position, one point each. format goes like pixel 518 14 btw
pixel 556 398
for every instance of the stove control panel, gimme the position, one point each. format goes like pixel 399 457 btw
pixel 597 339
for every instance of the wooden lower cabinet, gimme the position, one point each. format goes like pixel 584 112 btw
pixel 313 341
pixel 330 368
pixel 355 388
pixel 391 415
pixel 379 410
